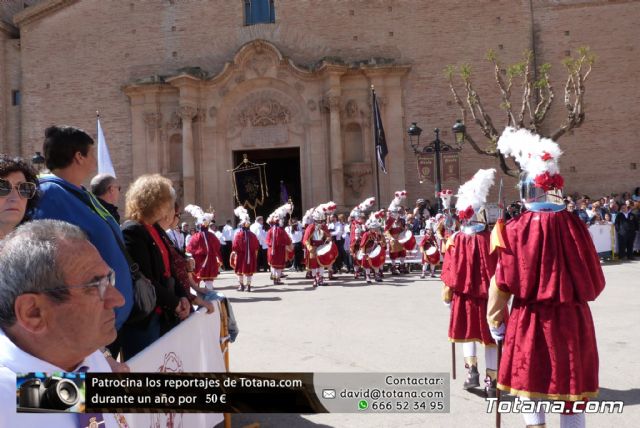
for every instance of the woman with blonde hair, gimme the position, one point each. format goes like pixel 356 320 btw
pixel 148 200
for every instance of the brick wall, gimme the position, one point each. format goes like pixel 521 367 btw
pixel 76 60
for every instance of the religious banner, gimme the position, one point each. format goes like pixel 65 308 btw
pixel 426 168
pixel 450 167
pixel 192 346
pixel 250 184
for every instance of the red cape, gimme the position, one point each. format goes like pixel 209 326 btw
pixel 312 262
pixel 245 245
pixel 467 269
pixel 551 267
pixel 206 254
pixel 277 242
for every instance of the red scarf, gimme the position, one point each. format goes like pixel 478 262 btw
pixel 163 250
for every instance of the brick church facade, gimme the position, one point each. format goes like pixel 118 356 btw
pixel 186 87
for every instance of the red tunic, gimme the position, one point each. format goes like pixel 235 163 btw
pixel 467 269
pixel 393 228
pixel 277 240
pixel 354 245
pixel 552 269
pixel 368 241
pixel 313 238
pixel 205 249
pixel 245 245
pixel 427 241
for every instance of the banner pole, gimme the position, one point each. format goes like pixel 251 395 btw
pixel 375 148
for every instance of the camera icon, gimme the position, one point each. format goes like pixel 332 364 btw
pixel 329 393
pixel 54 393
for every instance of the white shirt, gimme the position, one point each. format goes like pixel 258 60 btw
pixel 295 236
pixel 258 230
pixel 337 231
pixel 227 232
pixel 176 237
pixel 218 235
pixel 14 360
pixel 347 241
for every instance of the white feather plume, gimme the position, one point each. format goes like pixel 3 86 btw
pixel 399 196
pixel 474 192
pixel 367 203
pixel 535 154
pixel 307 218
pixel 362 207
pixel 242 214
pixel 195 211
pixel 280 212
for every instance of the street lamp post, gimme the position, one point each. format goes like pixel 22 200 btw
pixel 436 147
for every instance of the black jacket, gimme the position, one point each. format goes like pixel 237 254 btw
pixel 145 252
pixel 113 210
pixel 626 226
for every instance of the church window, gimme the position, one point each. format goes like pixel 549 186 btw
pixel 15 98
pixel 259 12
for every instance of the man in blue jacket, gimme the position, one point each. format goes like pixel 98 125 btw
pixel 70 155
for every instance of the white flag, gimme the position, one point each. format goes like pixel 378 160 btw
pixel 104 160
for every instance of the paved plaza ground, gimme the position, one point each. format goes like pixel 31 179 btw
pixel 401 326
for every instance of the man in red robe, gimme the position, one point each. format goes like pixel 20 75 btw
pixel 244 249
pixel 356 230
pixel 204 247
pixel 371 239
pixel 548 263
pixel 315 235
pixel 429 244
pixel 278 242
pixel 466 273
pixel 394 226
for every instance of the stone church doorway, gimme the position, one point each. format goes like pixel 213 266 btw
pixel 283 165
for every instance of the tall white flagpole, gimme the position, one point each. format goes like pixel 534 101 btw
pixel 105 166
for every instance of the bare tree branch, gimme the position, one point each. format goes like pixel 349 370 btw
pixel 574 91
pixel 505 90
pixel 526 92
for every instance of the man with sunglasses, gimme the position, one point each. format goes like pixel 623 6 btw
pixel 70 155
pixel 58 300
pixel 106 188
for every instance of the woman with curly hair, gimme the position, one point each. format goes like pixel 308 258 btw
pixel 148 201
pixel 15 207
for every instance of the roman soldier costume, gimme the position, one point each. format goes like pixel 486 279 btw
pixel 204 247
pixel 315 235
pixel 373 246
pixel 447 223
pixel 307 219
pixel 467 270
pixel 430 252
pixel 357 229
pixel 548 263
pixel 394 226
pixel 278 242
pixel 244 250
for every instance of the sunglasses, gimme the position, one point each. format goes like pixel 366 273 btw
pixel 109 280
pixel 26 190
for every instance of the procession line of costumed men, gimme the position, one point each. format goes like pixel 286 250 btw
pixel 369 238
pixel 545 263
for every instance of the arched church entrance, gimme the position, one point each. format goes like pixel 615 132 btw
pixel 283 177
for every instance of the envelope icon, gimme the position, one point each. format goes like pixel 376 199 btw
pixel 328 393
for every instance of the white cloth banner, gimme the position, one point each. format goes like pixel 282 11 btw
pixel 601 236
pixel 104 160
pixel 192 346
